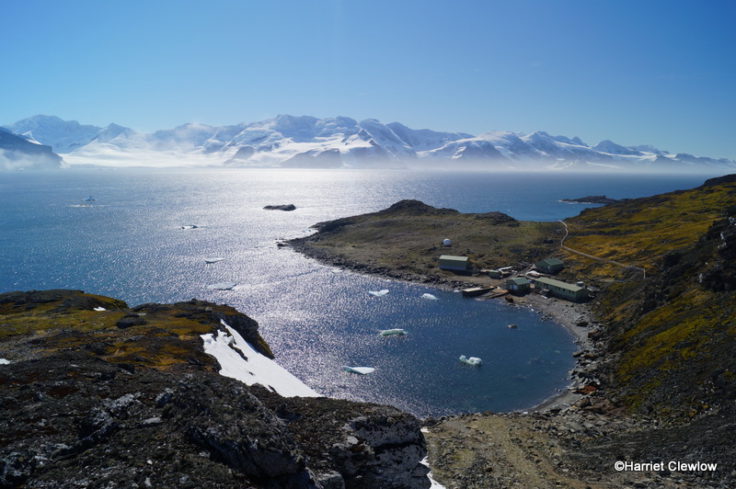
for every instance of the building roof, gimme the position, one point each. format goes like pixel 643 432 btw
pixel 558 283
pixel 453 258
pixel 519 281
pixel 551 261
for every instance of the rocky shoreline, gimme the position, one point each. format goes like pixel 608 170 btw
pixel 577 318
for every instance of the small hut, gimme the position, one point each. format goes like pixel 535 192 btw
pixel 518 285
pixel 549 265
pixel 454 263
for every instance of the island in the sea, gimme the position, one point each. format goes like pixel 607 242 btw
pixel 591 199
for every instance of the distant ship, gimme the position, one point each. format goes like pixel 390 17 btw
pixel 89 199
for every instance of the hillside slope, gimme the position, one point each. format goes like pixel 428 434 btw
pixel 671 336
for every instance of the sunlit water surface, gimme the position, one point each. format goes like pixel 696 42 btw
pixel 130 245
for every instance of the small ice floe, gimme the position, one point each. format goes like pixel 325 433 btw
pixel 378 293
pixel 4 361
pixel 213 259
pixel 189 226
pixel 222 286
pixel 99 309
pixel 430 297
pixel 359 370
pixel 393 332
pixel 512 326
pixel 474 361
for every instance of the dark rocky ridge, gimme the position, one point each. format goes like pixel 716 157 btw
pixel 280 207
pixel 17 152
pixel 73 413
pixel 591 199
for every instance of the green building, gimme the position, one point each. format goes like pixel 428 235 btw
pixel 454 263
pixel 549 265
pixel 561 289
pixel 518 285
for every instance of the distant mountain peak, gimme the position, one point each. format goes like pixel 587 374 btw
pixel 304 140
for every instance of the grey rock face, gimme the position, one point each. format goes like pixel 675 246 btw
pixel 71 420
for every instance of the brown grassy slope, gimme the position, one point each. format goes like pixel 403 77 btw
pixel 51 321
pixel 640 232
pixel 408 236
pixel 676 331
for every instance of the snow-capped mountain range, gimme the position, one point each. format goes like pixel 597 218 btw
pixel 309 142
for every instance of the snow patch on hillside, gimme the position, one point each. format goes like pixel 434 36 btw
pixel 238 360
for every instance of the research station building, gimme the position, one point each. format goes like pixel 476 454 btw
pixel 454 263
pixel 563 290
pixel 549 265
pixel 518 285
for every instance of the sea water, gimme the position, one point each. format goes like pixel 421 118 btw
pixel 129 243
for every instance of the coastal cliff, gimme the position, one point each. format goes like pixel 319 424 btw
pixel 94 393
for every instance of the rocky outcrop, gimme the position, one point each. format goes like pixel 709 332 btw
pixel 280 207
pixel 591 199
pixel 86 403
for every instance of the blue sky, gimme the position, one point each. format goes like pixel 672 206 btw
pixel 658 72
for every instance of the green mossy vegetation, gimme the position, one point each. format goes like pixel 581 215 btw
pixel 169 337
pixel 674 338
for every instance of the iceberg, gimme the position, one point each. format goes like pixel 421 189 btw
pixel 393 332
pixel 430 297
pixel 378 293
pixel 213 259
pixel 359 370
pixel 222 286
pixel 474 361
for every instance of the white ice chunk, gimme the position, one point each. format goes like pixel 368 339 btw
pixel 222 286
pixel 213 259
pixel 252 367
pixel 99 309
pixel 430 297
pixel 359 370
pixel 378 293
pixel 393 332
pixel 474 361
pixel 4 361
